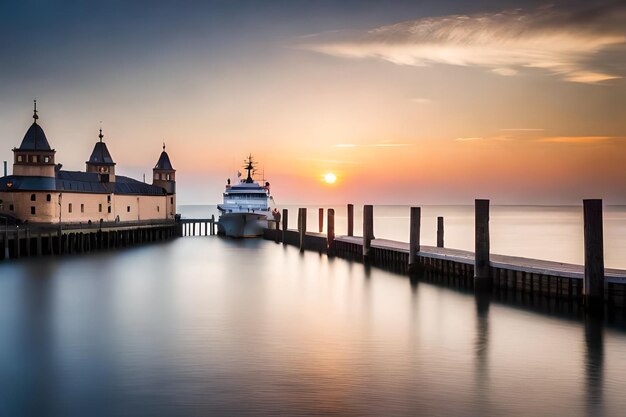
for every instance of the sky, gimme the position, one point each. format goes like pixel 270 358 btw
pixel 406 102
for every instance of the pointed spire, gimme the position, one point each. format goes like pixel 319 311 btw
pixel 35 117
pixel 163 146
pixel 100 135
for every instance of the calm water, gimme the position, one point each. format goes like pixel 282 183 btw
pixel 554 233
pixel 209 326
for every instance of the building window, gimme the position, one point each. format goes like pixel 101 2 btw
pixel 48 197
pixel 82 208
pixel 11 208
pixel 46 159
pixel 33 197
pixel 19 158
pixel 108 199
pixel 32 209
pixel 128 209
pixel 171 200
pixel 33 158
pixel 158 209
pixel 100 208
pixel 109 209
pixel 69 207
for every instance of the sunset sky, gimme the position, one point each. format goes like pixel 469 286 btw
pixel 406 102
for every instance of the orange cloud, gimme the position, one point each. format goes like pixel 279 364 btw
pixel 578 139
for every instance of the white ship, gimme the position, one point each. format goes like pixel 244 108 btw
pixel 246 206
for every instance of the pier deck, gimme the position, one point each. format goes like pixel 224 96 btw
pixel 592 283
pixel 514 263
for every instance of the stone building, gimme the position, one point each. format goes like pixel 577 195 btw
pixel 39 191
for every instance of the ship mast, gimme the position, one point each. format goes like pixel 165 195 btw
pixel 249 167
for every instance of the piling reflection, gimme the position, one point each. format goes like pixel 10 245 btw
pixel 594 364
pixel 481 347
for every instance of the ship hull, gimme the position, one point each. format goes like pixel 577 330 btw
pixel 242 224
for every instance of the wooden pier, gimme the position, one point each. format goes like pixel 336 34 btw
pixel 197 227
pixel 591 283
pixel 28 240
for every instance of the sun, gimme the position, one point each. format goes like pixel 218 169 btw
pixel 330 178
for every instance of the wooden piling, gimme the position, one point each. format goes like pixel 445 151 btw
pixel 330 234
pixel 350 219
pixel 321 219
pixel 27 233
pixel 285 220
pixel 593 285
pixel 414 236
pixel 17 242
pixel 5 240
pixel 482 276
pixel 368 230
pixel 302 227
pixel 440 232
pixel 39 245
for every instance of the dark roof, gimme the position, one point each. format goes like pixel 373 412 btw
pixel 74 181
pixel 35 139
pixel 164 162
pixel 100 155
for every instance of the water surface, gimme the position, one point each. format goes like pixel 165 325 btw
pixel 209 326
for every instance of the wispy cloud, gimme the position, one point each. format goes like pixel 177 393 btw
pixel 469 139
pixel 507 72
pixel 389 145
pixel 564 43
pixel 373 145
pixel 421 100
pixel 578 139
pixel 330 161
pixel 522 129
pixel 484 139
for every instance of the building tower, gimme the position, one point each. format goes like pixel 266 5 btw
pixel 34 157
pixel 101 161
pixel 164 176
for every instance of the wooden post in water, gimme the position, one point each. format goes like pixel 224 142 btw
pixel 368 230
pixel 482 276
pixel 302 227
pixel 6 242
pixel 27 232
pixel 299 219
pixel 350 219
pixel 39 245
pixel 17 242
pixel 593 286
pixel 330 233
pixel 321 220
pixel 440 232
pixel 414 237
pixel 285 220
